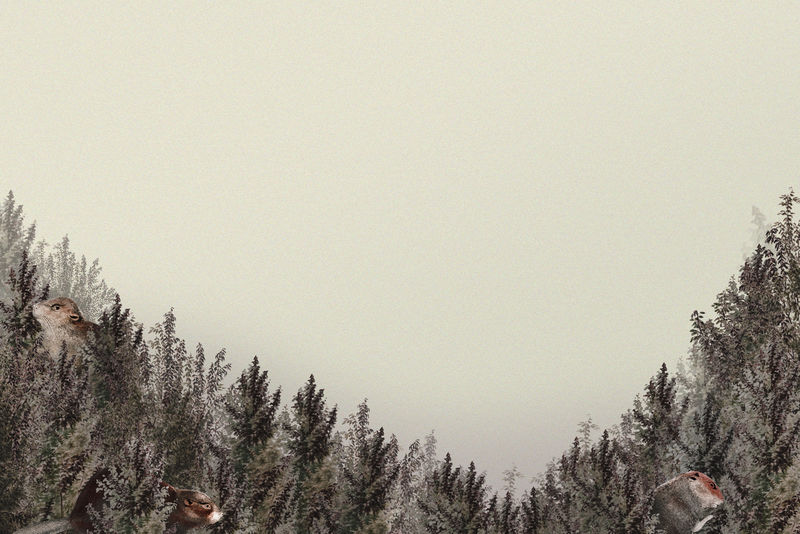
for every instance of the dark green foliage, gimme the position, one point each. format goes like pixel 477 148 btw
pixel 18 438
pixel 502 517
pixel 229 490
pixel 119 411
pixel 25 393
pixel 68 392
pixel 708 450
pixel 747 363
pixel 311 428
pixel 134 496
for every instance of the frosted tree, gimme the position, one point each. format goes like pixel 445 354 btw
pixel 16 239
pixel 415 467
pixel 368 469
pixel 75 278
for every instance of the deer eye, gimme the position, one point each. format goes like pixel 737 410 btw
pixel 187 502
pixel 55 307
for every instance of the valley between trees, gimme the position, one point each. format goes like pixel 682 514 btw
pixel 139 400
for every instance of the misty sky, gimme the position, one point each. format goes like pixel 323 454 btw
pixel 489 219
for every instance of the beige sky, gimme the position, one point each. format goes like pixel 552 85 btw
pixel 491 219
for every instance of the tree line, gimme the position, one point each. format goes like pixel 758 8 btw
pixel 150 408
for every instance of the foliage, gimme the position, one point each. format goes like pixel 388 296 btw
pixel 368 471
pixel 15 238
pixel 77 278
pixel 310 445
pixel 145 408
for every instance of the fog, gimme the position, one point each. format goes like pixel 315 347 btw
pixel 489 220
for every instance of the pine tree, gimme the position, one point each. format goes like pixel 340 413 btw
pixel 259 464
pixel 502 516
pixel 68 276
pixel 405 515
pixel 252 409
pixel 16 318
pixel 656 422
pixel 530 514
pixel 309 442
pixel 15 239
pixel 369 469
pixel 455 500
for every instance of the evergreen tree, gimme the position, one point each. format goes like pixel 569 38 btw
pixel 310 445
pixel 19 327
pixel 656 423
pixel 368 469
pixel 68 276
pixel 187 397
pixel 252 409
pixel 405 515
pixel 530 514
pixel 15 239
pixel 134 499
pixel 258 463
pixel 502 517
pixel 455 500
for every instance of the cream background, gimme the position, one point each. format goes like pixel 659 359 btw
pixel 491 219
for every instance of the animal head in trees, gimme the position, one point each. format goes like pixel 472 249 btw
pixel 192 508
pixel 62 324
pixel 684 504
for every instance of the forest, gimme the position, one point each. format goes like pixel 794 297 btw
pixel 136 399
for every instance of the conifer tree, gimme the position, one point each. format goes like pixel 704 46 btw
pixel 530 514
pixel 15 238
pixel 21 431
pixel 368 470
pixel 258 463
pixel 16 318
pixel 134 501
pixel 455 500
pixel 252 410
pixel 309 441
pixel 656 423
pixel 138 408
pixel 405 515
pixel 502 516
pixel 75 278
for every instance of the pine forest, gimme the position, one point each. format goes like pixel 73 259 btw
pixel 137 400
